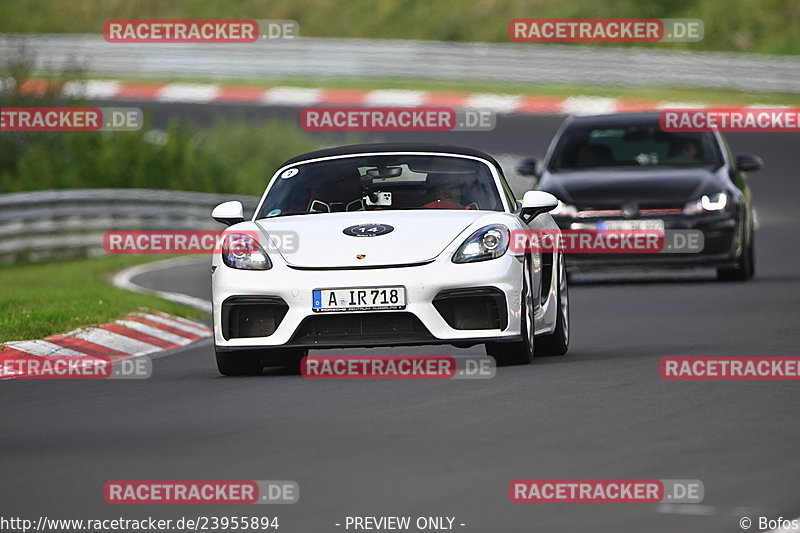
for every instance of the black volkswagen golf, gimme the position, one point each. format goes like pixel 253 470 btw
pixel 623 171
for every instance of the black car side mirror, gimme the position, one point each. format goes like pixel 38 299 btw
pixel 529 167
pixel 748 162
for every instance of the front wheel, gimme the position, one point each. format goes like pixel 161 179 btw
pixel 745 265
pixel 240 363
pixel 521 352
pixel 557 343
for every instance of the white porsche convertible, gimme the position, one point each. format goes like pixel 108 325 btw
pixel 391 245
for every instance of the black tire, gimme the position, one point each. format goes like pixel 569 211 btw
pixel 252 362
pixel 285 357
pixel 240 363
pixel 745 266
pixel 518 353
pixel 557 343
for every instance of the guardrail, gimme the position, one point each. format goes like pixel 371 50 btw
pixel 41 225
pixel 382 58
pixel 63 223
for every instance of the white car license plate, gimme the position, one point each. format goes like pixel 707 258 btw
pixel 358 299
pixel 650 224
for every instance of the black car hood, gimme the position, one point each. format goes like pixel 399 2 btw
pixel 650 188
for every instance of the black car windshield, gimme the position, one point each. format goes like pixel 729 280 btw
pixel 382 182
pixel 585 148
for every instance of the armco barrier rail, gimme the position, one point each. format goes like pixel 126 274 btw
pixel 384 58
pixel 40 225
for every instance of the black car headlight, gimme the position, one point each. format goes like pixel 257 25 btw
pixel 487 243
pixel 709 203
pixel 242 251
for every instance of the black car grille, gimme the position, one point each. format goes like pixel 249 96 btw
pixel 358 328
pixel 247 317
pixel 474 308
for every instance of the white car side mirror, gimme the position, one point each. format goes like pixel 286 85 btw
pixel 535 203
pixel 228 213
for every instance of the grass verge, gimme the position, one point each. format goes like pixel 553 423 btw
pixel 44 299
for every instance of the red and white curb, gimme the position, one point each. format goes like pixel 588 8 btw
pixel 135 335
pixel 305 97
pixel 138 334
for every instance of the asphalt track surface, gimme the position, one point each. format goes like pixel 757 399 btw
pixel 450 448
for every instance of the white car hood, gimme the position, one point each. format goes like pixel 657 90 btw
pixel 418 236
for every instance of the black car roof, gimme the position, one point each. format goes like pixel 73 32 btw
pixel 647 117
pixel 393 147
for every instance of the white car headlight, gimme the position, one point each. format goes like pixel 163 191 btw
pixel 487 243
pixel 707 204
pixel 564 210
pixel 242 251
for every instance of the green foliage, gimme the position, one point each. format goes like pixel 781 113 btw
pixel 234 157
pixel 768 26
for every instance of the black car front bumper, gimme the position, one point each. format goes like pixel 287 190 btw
pixel 721 247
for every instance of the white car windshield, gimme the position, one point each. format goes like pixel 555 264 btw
pixel 382 182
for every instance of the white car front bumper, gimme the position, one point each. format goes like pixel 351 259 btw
pixel 423 283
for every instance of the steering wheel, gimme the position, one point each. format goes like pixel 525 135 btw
pixel 442 204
